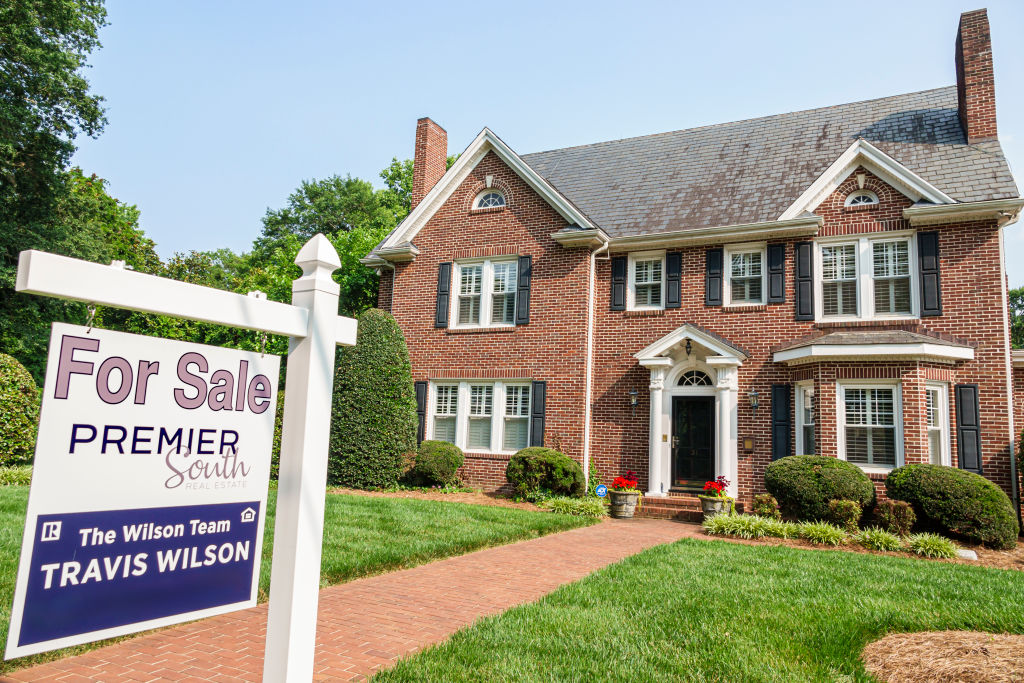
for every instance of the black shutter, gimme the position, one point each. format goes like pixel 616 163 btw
pixel 968 427
pixel 713 277
pixel 781 431
pixel 618 283
pixel 523 290
pixel 421 410
pixel 673 279
pixel 537 402
pixel 804 280
pixel 444 290
pixel 928 264
pixel 776 273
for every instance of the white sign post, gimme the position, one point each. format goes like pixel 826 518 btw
pixel 314 328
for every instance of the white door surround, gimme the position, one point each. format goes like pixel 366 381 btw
pixel 667 360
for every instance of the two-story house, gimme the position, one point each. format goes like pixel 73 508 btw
pixel 700 302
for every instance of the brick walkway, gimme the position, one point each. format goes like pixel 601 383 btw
pixel 367 624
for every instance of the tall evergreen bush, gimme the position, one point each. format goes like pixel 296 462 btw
pixel 19 412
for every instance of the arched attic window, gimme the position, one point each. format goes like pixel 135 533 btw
pixel 489 199
pixel 861 198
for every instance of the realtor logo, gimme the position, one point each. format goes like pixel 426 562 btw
pixel 51 531
pixel 248 515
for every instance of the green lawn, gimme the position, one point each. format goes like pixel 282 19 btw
pixel 362 536
pixel 717 611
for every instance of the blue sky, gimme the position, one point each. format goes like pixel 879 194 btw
pixel 217 110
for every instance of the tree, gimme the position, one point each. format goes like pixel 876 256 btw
pixel 373 416
pixel 1016 304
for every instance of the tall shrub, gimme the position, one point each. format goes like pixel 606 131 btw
pixel 19 412
pixel 373 421
pixel 804 485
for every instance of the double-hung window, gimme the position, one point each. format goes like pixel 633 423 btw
pixel 481 415
pixel 867 277
pixel 937 414
pixel 647 280
pixel 746 275
pixel 486 293
pixel 805 444
pixel 870 426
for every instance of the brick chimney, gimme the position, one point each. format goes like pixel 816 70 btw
pixel 430 159
pixel 975 79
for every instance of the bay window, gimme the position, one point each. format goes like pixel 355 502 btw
pixel 870 425
pixel 937 413
pixel 805 444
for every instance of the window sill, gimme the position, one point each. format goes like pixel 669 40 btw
pixel 489 455
pixel 643 312
pixel 864 207
pixel 490 209
pixel 741 308
pixel 480 330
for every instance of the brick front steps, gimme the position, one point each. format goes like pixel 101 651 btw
pixel 680 508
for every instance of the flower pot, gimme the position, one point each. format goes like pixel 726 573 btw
pixel 623 503
pixel 713 505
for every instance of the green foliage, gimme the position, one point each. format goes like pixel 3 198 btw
pixel 845 514
pixel 538 469
pixel 577 507
pixel 1016 303
pixel 275 453
pixel 956 502
pixel 822 533
pixel 19 412
pixel 765 505
pixel 17 475
pixel 895 516
pixel 750 526
pixel 436 463
pixel 874 538
pixel 594 479
pixel 931 545
pixel 804 485
pixel 373 423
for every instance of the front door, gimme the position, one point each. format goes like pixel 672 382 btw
pixel 693 441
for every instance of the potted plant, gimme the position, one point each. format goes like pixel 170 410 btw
pixel 715 500
pixel 625 494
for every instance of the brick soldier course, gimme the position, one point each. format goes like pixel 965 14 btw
pixel 367 624
pixel 575 219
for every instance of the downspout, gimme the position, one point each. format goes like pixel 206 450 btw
pixel 590 364
pixel 1014 483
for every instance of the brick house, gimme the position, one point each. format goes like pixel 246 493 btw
pixel 701 302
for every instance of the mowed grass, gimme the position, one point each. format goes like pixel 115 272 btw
pixel 362 536
pixel 716 611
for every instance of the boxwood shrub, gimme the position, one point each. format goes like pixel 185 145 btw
pixel 957 503
pixel 19 413
pixel 543 470
pixel 436 463
pixel 373 416
pixel 804 485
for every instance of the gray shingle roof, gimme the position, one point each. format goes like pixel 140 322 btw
pixel 751 171
pixel 856 337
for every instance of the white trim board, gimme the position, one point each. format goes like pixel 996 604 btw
pixel 918 350
pixel 863 153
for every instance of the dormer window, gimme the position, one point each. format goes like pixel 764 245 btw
pixel 861 198
pixel 489 199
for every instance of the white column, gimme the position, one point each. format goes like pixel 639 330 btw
pixel 298 529
pixel 657 463
pixel 727 451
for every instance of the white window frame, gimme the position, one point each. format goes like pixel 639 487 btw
pixel 497 411
pixel 758 248
pixel 479 198
pixel 486 291
pixel 897 409
pixel 945 451
pixel 856 193
pixel 865 276
pixel 631 279
pixel 432 402
pixel 801 387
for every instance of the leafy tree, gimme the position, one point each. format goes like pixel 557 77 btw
pixel 373 416
pixel 1016 304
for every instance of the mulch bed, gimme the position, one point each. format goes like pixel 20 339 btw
pixel 474 498
pixel 941 656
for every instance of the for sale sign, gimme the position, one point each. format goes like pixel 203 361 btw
pixel 149 487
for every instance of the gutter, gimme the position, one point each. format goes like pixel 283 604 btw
pixel 1003 210
pixel 590 364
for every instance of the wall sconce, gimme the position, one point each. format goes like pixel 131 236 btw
pixel 754 403
pixel 634 398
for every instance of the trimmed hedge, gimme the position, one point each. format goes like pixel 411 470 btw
pixel 765 505
pixel 19 413
pixel 956 502
pixel 804 485
pixel 436 463
pixel 537 469
pixel 845 514
pixel 373 419
pixel 895 516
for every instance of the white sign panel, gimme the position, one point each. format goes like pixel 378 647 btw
pixel 149 487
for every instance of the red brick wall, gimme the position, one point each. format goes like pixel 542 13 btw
pixel 552 347
pixel 975 77
pixel 430 158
